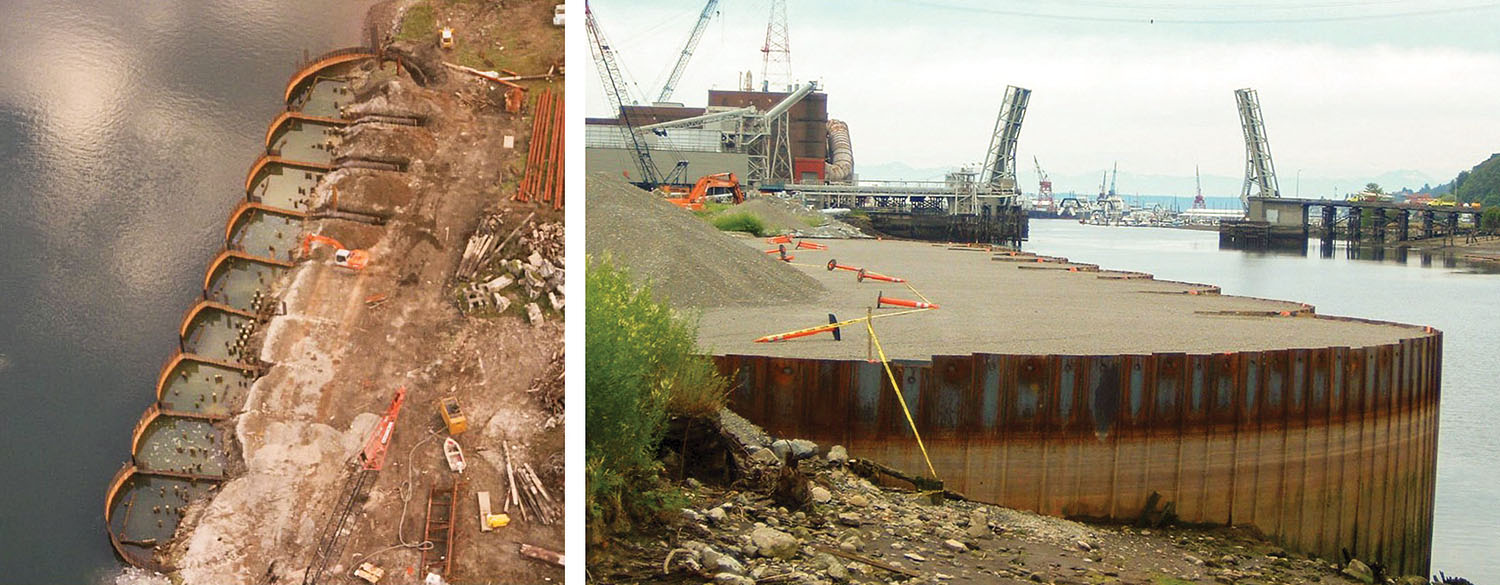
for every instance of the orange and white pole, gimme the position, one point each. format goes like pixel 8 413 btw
pixel 863 274
pixel 834 265
pixel 881 300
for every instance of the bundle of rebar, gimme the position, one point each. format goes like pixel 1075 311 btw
pixel 543 180
pixel 527 493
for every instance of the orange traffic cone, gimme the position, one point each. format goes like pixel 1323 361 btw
pixel 863 274
pixel 806 245
pixel 881 300
pixel 779 240
pixel 834 264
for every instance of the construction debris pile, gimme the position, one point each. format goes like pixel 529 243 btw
pixel 538 278
pixel 800 513
pixel 689 262
pixel 549 389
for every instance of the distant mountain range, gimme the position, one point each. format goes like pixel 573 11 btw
pixel 1129 183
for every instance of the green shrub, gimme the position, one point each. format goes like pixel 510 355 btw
pixel 641 366
pixel 740 222
pixel 1489 221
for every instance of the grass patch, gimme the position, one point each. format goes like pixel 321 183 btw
pixel 419 24
pixel 859 214
pixel 818 220
pixel 740 222
pixel 711 208
pixel 641 367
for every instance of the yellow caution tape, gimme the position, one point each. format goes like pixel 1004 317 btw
pixel 897 388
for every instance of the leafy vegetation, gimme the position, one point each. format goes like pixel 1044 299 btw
pixel 1479 184
pixel 740 222
pixel 1489 222
pixel 641 368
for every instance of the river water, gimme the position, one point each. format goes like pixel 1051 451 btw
pixel 126 129
pixel 1453 296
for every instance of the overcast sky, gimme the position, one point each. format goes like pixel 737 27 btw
pixel 1348 89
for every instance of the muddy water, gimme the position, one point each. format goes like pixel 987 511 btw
pixel 1413 288
pixel 126 128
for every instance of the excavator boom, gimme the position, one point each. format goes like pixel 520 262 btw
pixel 352 259
pixel 695 197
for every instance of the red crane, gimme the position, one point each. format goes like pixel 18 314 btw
pixel 372 458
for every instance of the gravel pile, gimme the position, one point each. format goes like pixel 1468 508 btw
pixel 688 262
pixel 779 217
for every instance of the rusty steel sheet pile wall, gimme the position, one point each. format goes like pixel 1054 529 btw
pixel 1319 449
pixel 150 558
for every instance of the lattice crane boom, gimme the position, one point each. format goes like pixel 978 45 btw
pixel 604 60
pixel 1044 185
pixel 372 458
pixel 687 51
pixel 614 89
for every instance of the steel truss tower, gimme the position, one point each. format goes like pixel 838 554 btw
pixel 999 173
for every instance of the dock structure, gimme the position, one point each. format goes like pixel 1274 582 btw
pixel 1318 431
pixel 953 210
pixel 1281 222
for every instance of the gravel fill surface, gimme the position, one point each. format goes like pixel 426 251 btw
pixel 995 307
pixel 689 263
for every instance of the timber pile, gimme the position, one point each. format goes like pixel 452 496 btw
pixel 527 493
pixel 485 241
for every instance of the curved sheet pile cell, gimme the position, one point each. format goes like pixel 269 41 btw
pixel 305 140
pixel 323 93
pixel 238 282
pixel 205 388
pixel 147 509
pixel 266 234
pixel 285 187
pixel 179 444
pixel 215 333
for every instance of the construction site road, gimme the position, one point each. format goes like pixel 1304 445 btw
pixel 994 305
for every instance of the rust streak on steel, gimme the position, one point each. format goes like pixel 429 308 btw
pixel 1321 449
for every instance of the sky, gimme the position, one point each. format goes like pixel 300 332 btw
pixel 1350 91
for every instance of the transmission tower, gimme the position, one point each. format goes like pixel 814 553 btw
pixel 1259 172
pixel 776 54
pixel 999 172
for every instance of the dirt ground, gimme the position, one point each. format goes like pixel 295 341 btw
pixel 349 339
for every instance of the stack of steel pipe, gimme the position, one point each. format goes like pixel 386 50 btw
pixel 543 180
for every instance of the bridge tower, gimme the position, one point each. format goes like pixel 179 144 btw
pixel 1260 174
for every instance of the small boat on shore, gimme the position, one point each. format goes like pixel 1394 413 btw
pixel 454 454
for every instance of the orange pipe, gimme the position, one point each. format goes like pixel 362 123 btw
pixel 863 274
pixel 885 300
pixel 797 333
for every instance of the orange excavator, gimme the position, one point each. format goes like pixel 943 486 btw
pixel 351 259
pixel 692 199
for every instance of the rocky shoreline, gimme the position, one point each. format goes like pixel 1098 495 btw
pixel 838 524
